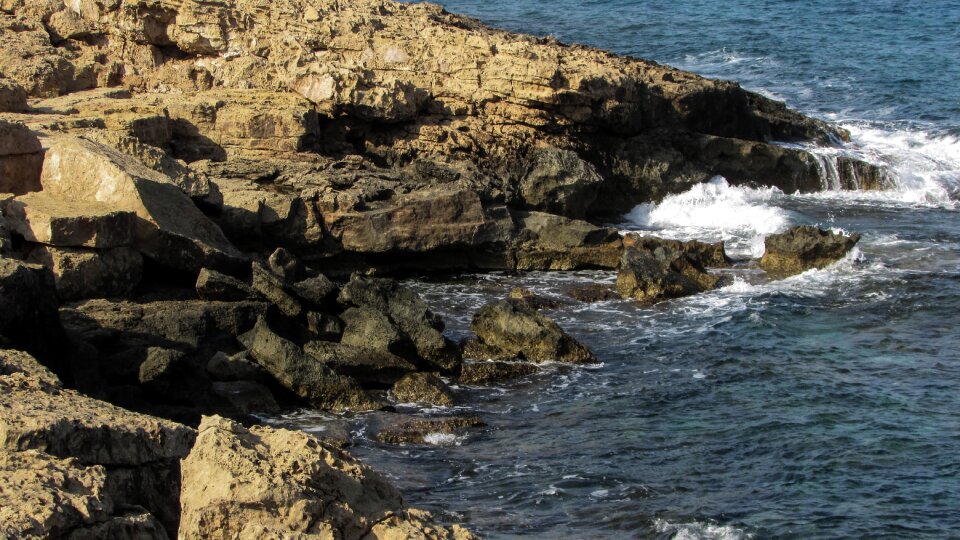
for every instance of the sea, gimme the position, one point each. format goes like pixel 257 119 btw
pixel 824 405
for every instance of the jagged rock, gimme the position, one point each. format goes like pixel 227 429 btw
pixel 804 247
pixel 512 330
pixel 432 431
pixel 38 217
pixel 212 285
pixel 325 327
pixel 273 483
pixel 45 497
pixel 170 228
pixel 226 368
pixel 274 289
pixel 285 264
pixel 706 254
pixel 90 273
pixel 13 98
pixel 532 299
pixel 306 376
pixel 317 290
pixel 558 181
pixel 366 327
pixel 247 397
pixel 12 361
pixel 423 388
pixel 28 311
pixel 651 275
pixel 484 373
pixel 550 242
pixel 592 292
pixel 369 366
pixel 21 159
pixel 422 340
pixel 168 376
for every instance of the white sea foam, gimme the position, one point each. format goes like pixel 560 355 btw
pixel 715 210
pixel 699 531
pixel 440 439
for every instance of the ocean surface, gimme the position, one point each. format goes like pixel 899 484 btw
pixel 825 405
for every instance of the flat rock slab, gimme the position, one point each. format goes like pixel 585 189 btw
pixel 44 219
pixel 90 273
pixel 64 423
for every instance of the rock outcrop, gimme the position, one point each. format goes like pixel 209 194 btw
pixel 508 330
pixel 804 247
pixel 273 483
pixel 651 271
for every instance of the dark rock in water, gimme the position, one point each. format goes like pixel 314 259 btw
pixel 286 265
pixel 484 373
pixel 532 299
pixel 558 181
pixel 422 339
pixel 432 431
pixel 424 388
pixel 305 376
pixel 549 242
pixel 226 368
pixel 274 289
pixel 707 255
pixel 212 285
pixel 516 331
pixel 804 247
pixel 592 292
pixel 90 273
pixel 246 397
pixel 325 327
pixel 29 316
pixel 368 366
pixel 317 290
pixel 651 275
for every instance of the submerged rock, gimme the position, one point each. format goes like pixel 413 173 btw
pixel 508 330
pixel 661 273
pixel 424 388
pixel 273 483
pixel 485 373
pixel 429 431
pixel 804 247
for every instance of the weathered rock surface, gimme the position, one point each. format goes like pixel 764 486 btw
pixel 305 376
pixel 273 483
pixel 804 247
pixel 273 288
pixel 13 98
pixel 508 330
pixel 708 255
pixel 90 273
pixel 213 285
pixel 430 431
pixel 660 272
pixel 169 229
pixel 38 217
pixel 12 361
pixel 29 311
pixel 247 397
pixel 369 366
pixel 398 317
pixel 238 367
pixel 484 373
pixel 424 388
pixel 21 159
pixel 550 242
pixel 532 299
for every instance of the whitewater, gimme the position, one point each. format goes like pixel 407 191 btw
pixel 819 406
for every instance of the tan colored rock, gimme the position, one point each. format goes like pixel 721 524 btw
pixel 170 229
pixel 273 483
pixel 804 247
pixel 21 159
pixel 12 361
pixel 13 98
pixel 41 218
pixel 90 273
pixel 550 242
pixel 652 271
pixel 510 330
pixel 45 497
pixel 424 388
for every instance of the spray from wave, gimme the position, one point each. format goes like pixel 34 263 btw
pixel 714 211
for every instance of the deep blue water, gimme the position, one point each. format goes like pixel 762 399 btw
pixel 821 406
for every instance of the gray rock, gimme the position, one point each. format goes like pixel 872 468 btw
pixel 317 290
pixel 369 366
pixel 325 327
pixel 558 181
pixel 665 272
pixel 424 388
pixel 286 265
pixel 274 289
pixel 28 312
pixel 91 273
pixel 247 397
pixel 223 367
pixel 213 285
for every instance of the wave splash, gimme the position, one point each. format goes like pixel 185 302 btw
pixel 714 211
pixel 698 531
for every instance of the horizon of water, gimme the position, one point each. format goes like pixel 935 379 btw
pixel 819 406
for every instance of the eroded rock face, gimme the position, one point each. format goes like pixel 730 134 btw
pixel 90 273
pixel 508 330
pixel 551 242
pixel 21 159
pixel 273 483
pixel 40 218
pixel 804 247
pixel 661 273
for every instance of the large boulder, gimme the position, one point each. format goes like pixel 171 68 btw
pixel 804 247
pixel 90 273
pixel 663 272
pixel 558 181
pixel 39 217
pixel 424 388
pixel 273 483
pixel 509 330
pixel 550 242
pixel 21 159
pixel 308 378
pixel 213 285
pixel 708 255
pixel 13 98
pixel 400 310
pixel 370 367
pixel 169 229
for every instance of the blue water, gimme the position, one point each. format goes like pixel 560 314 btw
pixel 820 406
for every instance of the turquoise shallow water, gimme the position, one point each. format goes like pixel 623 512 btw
pixel 821 406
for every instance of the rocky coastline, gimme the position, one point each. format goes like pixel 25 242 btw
pixel 204 205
